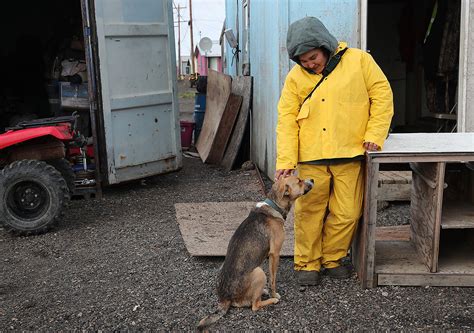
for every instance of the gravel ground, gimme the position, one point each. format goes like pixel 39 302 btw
pixel 120 263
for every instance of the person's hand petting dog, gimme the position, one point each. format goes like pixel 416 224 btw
pixel 283 173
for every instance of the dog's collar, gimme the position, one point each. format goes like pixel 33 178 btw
pixel 272 204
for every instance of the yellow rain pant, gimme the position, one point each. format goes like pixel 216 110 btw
pixel 327 216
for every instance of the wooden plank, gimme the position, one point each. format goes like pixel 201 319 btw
pixel 242 86
pixel 218 91
pixel 398 264
pixel 224 130
pixel 407 175
pixel 363 246
pixel 398 256
pixel 425 210
pixel 394 186
pixel 392 233
pixel 206 227
pixel 394 192
pixel 428 143
pixel 428 279
pixel 425 158
pixel 386 177
pixel 458 216
pixel 401 177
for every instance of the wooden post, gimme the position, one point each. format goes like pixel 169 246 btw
pixel 426 204
pixel 364 243
pixel 191 36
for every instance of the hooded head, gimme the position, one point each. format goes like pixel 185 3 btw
pixel 307 34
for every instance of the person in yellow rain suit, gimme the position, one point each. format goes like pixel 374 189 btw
pixel 324 135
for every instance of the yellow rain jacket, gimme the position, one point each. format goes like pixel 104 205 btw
pixel 353 105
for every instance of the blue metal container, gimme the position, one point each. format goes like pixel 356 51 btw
pixel 199 110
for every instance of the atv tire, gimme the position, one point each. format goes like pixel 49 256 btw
pixel 64 167
pixel 32 195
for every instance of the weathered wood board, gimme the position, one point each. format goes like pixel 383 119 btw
pixel 428 143
pixel 425 210
pixel 224 130
pixel 363 245
pixel 206 227
pixel 458 216
pixel 393 233
pixel 394 186
pixel 242 86
pixel 397 263
pixel 218 91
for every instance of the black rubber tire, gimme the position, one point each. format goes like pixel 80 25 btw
pixel 32 195
pixel 64 167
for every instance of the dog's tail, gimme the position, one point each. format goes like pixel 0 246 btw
pixel 222 309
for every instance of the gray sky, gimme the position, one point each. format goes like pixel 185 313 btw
pixel 208 19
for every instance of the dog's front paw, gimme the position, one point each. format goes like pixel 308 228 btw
pixel 265 292
pixel 276 295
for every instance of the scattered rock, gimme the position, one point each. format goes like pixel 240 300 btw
pixel 248 165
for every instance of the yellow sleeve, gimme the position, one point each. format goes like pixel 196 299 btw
pixel 381 101
pixel 287 129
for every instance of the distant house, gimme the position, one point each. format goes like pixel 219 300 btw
pixel 185 66
pixel 211 59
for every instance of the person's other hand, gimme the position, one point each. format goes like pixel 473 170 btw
pixel 283 173
pixel 370 146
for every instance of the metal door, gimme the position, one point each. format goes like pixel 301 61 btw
pixel 137 85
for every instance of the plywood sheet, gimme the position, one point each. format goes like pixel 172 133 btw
pixel 207 227
pixel 218 91
pixel 242 86
pixel 225 128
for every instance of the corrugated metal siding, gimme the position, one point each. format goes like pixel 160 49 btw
pixel 269 63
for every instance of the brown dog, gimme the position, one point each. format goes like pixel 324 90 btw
pixel 241 280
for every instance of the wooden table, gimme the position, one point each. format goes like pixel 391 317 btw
pixel 410 255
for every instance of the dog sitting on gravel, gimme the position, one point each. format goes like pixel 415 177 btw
pixel 241 280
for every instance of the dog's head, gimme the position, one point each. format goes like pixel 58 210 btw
pixel 287 189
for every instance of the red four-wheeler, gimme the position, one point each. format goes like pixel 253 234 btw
pixel 36 179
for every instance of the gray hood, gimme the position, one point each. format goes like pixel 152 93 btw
pixel 306 34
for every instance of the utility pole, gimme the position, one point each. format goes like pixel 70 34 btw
pixel 191 32
pixel 179 37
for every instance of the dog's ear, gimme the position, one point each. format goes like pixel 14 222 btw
pixel 284 191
